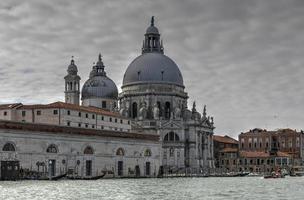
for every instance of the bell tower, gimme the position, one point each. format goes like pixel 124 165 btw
pixel 72 86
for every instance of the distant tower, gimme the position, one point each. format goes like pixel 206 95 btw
pixel 72 84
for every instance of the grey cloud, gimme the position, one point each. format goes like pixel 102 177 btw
pixel 243 58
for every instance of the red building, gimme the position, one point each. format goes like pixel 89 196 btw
pixel 261 150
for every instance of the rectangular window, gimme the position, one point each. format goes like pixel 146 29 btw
pixel 298 142
pixel 23 113
pixel 93 126
pixel 121 121
pixel 115 129
pixel 69 112
pixel 110 119
pixel 79 114
pixel 79 124
pixel 102 127
pixel 38 112
pixel 69 123
pixel 55 112
pixel 102 118
pixel 290 143
pixel 93 116
pixel 128 122
pixel 87 115
pixel 5 113
pixel 104 104
pixel 115 120
pixel 86 125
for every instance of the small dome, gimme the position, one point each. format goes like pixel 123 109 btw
pixel 99 87
pixel 72 68
pixel 152 30
pixel 153 68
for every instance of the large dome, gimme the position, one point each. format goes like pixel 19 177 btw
pixel 153 67
pixel 99 87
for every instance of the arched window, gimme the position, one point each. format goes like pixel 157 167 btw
pixel 167 110
pixel 134 110
pixel 52 149
pixel 166 137
pixel 88 150
pixel 120 152
pixel 8 147
pixel 147 153
pixel 171 137
pixel 159 108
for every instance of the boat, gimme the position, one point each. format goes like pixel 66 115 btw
pixel 276 174
pixel 86 178
pixel 94 177
pixel 55 178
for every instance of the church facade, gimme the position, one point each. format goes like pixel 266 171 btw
pixel 153 95
pixel 145 130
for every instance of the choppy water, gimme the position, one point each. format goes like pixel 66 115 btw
pixel 170 188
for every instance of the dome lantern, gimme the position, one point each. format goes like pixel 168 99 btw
pixel 152 40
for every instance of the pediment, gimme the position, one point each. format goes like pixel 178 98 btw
pixel 171 125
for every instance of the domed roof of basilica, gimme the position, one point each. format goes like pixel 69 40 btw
pixel 99 85
pixel 152 66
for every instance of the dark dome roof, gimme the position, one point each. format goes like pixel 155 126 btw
pixel 153 68
pixel 100 87
pixel 152 29
pixel 72 68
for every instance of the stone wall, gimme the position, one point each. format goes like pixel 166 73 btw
pixel 31 150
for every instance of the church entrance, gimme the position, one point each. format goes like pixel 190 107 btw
pixel 10 170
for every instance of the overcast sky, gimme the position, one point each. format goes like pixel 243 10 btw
pixel 244 59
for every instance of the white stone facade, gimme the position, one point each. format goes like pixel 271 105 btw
pixel 64 114
pixel 31 151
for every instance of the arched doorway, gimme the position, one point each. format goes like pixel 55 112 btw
pixel 52 149
pixel 120 152
pixel 88 151
pixel 9 169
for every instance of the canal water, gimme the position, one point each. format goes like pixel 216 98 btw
pixel 165 189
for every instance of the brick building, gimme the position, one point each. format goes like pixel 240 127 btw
pixel 225 152
pixel 262 151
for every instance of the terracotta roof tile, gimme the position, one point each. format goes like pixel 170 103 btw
pixel 4 124
pixel 72 107
pixel 9 106
pixel 229 150
pixel 224 139
pixel 260 154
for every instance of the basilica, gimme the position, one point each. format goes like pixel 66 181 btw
pixel 145 130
